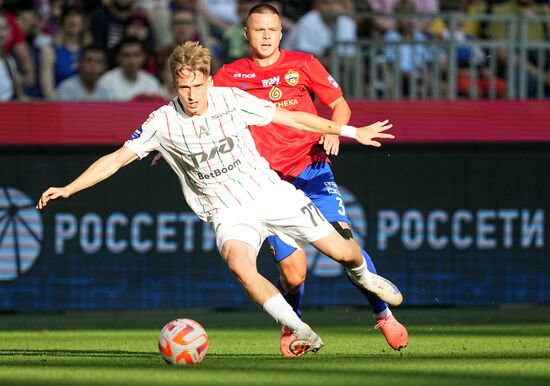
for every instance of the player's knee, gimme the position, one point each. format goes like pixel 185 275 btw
pixel 243 271
pixel 293 280
pixel 293 271
pixel 237 262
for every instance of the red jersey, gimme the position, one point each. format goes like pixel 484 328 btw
pixel 15 36
pixel 290 83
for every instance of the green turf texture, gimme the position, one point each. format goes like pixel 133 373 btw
pixel 447 346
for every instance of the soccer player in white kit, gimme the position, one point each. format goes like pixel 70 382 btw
pixel 203 135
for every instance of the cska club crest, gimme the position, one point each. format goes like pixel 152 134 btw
pixel 292 77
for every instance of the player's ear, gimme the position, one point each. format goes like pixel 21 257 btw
pixel 245 33
pixel 210 81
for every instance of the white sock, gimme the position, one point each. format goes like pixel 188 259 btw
pixel 361 274
pixel 384 314
pixel 282 312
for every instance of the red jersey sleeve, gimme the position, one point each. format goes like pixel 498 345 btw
pixel 222 79
pixel 15 35
pixel 322 83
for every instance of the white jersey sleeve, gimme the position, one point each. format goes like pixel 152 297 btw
pixel 145 139
pixel 255 111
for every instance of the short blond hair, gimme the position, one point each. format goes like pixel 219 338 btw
pixel 190 57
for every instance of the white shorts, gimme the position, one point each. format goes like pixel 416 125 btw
pixel 283 211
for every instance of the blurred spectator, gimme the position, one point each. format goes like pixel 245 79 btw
pixel 470 55
pixel 158 14
pixel 128 81
pixel 183 26
pixel 184 4
pixel 42 9
pixel 313 32
pixel 84 86
pixel 537 31
pixel 234 44
pixel 107 25
pixel 50 13
pixel 167 90
pixel 383 24
pixel 220 15
pixel 295 9
pixel 425 7
pixel 286 22
pixel 137 25
pixel 60 62
pixel 187 25
pixel 204 28
pixel 473 27
pixel 365 24
pixel 10 82
pixel 406 53
pixel 90 5
pixel 31 25
pixel 16 44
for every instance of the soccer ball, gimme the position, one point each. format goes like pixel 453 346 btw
pixel 183 342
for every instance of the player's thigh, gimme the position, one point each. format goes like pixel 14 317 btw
pixel 293 217
pixel 336 247
pixel 239 225
pixel 240 257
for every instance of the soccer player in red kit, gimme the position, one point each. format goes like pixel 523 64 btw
pixel 289 79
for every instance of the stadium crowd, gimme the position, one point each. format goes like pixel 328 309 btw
pixel 117 50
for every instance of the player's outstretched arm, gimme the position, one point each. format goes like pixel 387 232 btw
pixel 100 170
pixel 365 135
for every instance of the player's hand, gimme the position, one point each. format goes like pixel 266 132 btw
pixel 156 159
pixel 331 143
pixel 52 194
pixel 366 134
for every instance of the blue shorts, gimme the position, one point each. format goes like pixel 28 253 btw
pixel 317 182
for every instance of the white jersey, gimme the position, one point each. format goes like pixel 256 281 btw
pixel 213 154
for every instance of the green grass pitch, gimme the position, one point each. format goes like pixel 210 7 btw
pixel 447 346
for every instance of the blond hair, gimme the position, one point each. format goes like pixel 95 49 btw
pixel 190 57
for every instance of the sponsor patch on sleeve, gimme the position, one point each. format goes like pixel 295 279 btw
pixel 136 134
pixel 332 81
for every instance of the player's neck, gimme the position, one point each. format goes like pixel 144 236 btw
pixel 267 61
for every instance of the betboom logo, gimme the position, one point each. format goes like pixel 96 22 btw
pixel 20 233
